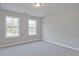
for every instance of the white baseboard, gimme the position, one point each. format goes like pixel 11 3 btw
pixel 17 43
pixel 62 45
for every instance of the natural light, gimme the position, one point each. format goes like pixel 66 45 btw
pixel 32 27
pixel 12 26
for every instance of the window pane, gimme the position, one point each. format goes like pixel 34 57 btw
pixel 32 27
pixel 12 26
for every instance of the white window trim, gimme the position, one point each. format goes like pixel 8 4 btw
pixel 36 28
pixel 5 23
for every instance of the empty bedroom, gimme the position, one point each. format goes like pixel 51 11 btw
pixel 39 29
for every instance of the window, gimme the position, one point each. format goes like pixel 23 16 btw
pixel 32 27
pixel 12 26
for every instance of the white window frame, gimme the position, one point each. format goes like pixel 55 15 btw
pixel 32 34
pixel 6 27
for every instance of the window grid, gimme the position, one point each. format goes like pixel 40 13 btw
pixel 32 27
pixel 12 26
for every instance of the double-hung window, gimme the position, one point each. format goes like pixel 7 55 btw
pixel 12 26
pixel 32 27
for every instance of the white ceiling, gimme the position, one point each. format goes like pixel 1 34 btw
pixel 45 10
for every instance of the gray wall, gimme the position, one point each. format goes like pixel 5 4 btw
pixel 63 27
pixel 23 28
